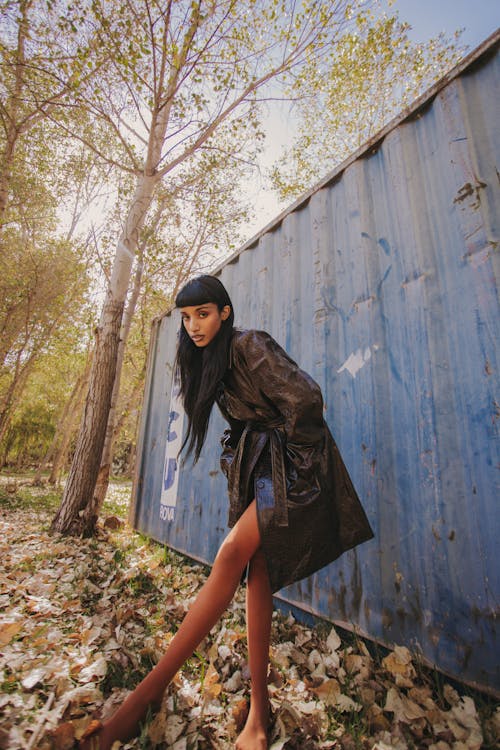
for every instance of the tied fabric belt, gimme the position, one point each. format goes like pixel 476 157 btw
pixel 271 434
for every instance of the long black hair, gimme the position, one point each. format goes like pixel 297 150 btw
pixel 202 368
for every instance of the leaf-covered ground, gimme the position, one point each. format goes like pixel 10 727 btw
pixel 83 620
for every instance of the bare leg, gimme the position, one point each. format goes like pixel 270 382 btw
pixel 259 614
pixel 237 549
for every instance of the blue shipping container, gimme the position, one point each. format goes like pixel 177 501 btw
pixel 382 282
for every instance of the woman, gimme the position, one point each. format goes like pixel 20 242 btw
pixel 292 506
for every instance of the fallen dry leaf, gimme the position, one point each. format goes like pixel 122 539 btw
pixel 377 720
pixel 211 685
pixel 328 692
pixel 399 664
pixel 8 631
pixel 402 707
pixel 33 678
pixel 112 522
pixel 84 620
pixel 174 727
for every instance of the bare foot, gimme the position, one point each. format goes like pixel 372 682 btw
pixel 254 734
pixel 95 738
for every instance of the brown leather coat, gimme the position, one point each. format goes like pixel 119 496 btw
pixel 280 451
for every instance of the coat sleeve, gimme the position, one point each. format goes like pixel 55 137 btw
pixel 284 386
pixel 229 442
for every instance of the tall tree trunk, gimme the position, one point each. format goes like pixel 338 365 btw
pixel 102 483
pixel 7 445
pixel 85 465
pixel 71 517
pixel 93 508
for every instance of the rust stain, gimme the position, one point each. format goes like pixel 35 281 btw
pixel 356 585
pixel 415 607
pixel 387 619
pixel 469 189
pixel 467 653
pixel 398 578
pixel 362 303
pixel 414 277
pixel 434 635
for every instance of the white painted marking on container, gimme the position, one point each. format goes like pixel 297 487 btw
pixel 356 360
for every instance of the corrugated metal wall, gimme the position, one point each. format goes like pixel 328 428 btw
pixel 383 284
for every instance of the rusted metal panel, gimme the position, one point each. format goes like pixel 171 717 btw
pixel 383 284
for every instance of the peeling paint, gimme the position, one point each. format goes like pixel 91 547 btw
pixel 358 359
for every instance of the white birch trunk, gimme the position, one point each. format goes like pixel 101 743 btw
pixel 71 517
pixel 93 509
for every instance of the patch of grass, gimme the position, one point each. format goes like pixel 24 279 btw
pixel 143 583
pixel 196 667
pixel 143 741
pixel 10 684
pixel 355 725
pixel 121 676
pixel 140 540
pixel 168 556
pixel 26 497
pixel 119 556
pixel 117 500
pixel 93 543
pixel 29 566
pixel 18 491
pixel 89 599
pixel 117 676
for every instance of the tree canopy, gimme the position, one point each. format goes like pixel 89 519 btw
pixel 341 100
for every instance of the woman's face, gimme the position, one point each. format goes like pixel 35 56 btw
pixel 203 322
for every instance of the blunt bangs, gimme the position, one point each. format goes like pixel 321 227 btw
pixel 200 291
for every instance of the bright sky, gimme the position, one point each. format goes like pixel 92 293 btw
pixel 478 18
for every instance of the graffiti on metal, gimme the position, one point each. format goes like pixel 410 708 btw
pixel 168 499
